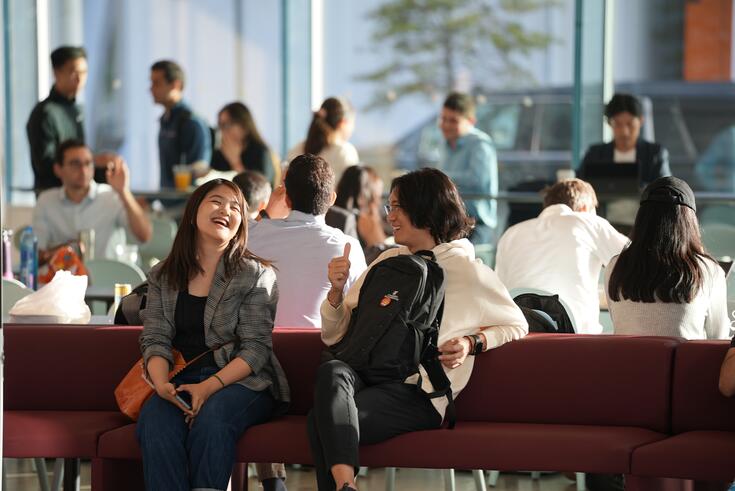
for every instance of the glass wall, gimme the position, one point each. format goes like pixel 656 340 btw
pixel 20 85
pixel 396 66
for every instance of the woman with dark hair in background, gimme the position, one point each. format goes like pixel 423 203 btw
pixel 426 213
pixel 213 299
pixel 330 129
pixel 664 283
pixel 356 210
pixel 242 147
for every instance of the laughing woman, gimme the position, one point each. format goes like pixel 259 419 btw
pixel 210 297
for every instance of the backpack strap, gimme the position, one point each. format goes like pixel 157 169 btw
pixel 435 371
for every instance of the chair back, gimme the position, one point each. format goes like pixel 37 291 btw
pixel 13 290
pixel 719 239
pixel 107 272
pixel 164 232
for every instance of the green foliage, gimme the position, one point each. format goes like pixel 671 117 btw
pixel 432 41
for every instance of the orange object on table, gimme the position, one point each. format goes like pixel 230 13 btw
pixel 66 259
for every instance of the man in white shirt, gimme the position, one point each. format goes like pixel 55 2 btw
pixel 302 244
pixel 562 251
pixel 81 204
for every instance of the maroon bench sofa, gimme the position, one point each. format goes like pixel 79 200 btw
pixel 642 406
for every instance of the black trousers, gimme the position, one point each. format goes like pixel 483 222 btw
pixel 347 412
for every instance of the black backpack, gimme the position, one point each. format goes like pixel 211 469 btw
pixel 544 313
pixel 395 326
pixel 128 312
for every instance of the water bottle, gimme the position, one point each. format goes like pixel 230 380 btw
pixel 28 258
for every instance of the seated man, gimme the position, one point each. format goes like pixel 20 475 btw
pixel 624 114
pixel 81 204
pixel 256 189
pixel 562 251
pixel 302 244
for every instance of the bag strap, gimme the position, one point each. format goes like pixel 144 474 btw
pixel 190 362
pixel 435 371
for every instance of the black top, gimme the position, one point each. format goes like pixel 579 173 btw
pixel 53 121
pixel 343 219
pixel 255 157
pixel 189 337
pixel 652 159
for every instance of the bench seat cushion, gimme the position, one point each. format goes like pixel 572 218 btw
pixel 507 446
pixel 56 433
pixel 701 455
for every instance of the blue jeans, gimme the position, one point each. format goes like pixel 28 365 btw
pixel 201 458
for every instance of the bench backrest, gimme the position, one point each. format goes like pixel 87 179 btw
pixel 66 367
pixel 554 379
pixel 573 379
pixel 72 367
pixel 697 403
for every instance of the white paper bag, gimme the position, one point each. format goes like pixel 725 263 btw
pixel 61 301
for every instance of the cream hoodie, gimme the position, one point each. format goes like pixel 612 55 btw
pixel 475 301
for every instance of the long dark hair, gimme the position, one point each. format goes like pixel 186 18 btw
pixel 665 259
pixel 354 190
pixel 181 264
pixel 431 201
pixel 324 122
pixel 241 115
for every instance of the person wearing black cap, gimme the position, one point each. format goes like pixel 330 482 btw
pixel 664 283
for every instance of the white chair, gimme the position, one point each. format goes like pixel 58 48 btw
pixel 13 290
pixel 164 232
pixel 107 272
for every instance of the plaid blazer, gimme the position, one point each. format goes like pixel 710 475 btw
pixel 240 308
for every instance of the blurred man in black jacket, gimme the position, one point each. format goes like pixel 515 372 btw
pixel 624 115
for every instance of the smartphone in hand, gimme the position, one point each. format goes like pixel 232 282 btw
pixel 184 398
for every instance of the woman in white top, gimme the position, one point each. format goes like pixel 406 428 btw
pixel 426 213
pixel 330 128
pixel 664 283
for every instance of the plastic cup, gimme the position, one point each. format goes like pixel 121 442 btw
pixel 182 177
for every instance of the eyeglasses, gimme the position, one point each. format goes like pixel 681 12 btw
pixel 79 164
pixel 389 208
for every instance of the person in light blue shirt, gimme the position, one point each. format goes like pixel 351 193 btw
pixel 469 159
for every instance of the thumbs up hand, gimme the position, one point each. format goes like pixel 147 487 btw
pixel 337 272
